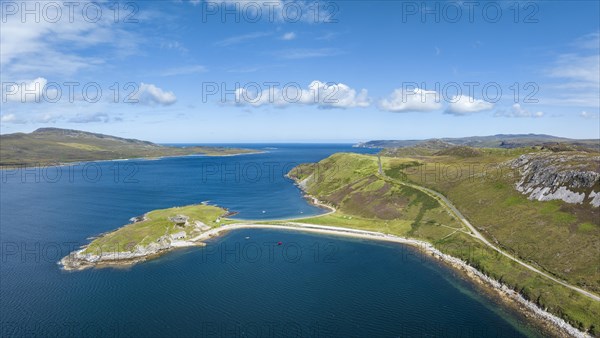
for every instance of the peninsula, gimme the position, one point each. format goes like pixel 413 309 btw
pixel 54 146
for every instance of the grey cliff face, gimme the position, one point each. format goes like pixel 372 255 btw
pixel 571 178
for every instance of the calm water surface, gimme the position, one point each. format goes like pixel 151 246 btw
pixel 242 284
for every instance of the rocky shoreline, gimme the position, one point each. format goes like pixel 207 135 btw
pixel 550 322
pixel 79 260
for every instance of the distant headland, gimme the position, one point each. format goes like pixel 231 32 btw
pixel 55 146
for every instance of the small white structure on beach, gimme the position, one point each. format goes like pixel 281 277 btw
pixel 178 235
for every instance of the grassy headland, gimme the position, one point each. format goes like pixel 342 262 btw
pixel 51 146
pixel 559 238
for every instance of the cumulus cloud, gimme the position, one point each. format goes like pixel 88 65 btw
pixel 464 105
pixel 24 91
pixel 415 100
pixel 517 111
pixel 150 94
pixel 320 94
pixel 90 118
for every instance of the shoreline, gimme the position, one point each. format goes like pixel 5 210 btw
pixel 508 296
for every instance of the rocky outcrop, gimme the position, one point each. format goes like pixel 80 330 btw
pixel 79 260
pixel 570 177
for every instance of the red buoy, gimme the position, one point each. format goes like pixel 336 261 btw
pixel 279 243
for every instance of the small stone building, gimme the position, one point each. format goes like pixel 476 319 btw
pixel 180 220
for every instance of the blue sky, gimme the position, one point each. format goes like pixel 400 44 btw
pixel 362 70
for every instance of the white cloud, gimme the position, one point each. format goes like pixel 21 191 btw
pixel 575 67
pixel 464 105
pixel 578 73
pixel 24 91
pixel 416 100
pixel 11 118
pixel 588 115
pixel 517 111
pixel 289 36
pixel 29 48
pixel 321 94
pixel 152 95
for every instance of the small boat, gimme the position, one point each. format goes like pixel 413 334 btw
pixel 247 237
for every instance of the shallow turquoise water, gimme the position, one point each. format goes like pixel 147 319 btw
pixel 241 284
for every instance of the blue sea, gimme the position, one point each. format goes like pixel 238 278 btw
pixel 241 284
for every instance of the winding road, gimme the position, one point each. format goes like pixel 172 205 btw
pixel 444 202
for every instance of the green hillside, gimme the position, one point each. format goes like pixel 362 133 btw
pixel 559 238
pixel 48 146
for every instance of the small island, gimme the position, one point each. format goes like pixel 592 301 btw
pixel 150 235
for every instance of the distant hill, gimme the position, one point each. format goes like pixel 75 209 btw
pixel 494 141
pixel 48 146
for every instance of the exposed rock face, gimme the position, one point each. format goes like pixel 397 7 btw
pixel 80 260
pixel 573 178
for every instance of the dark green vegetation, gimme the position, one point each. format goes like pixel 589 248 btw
pixel 49 146
pixel 496 141
pixel 560 238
